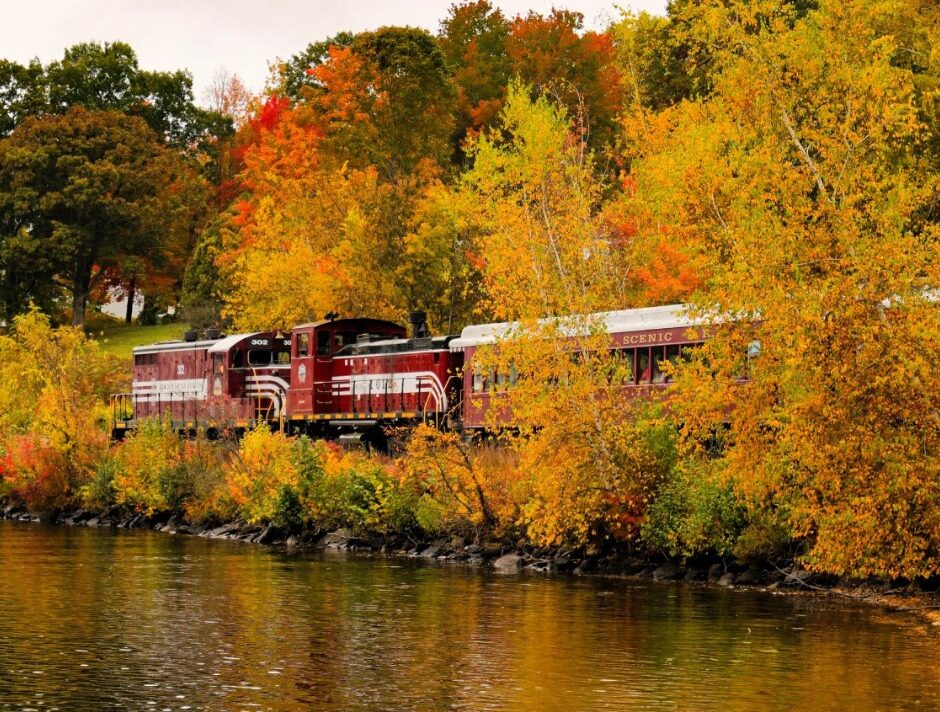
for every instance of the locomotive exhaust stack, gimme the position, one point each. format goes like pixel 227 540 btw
pixel 419 325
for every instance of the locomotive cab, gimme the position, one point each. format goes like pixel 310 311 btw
pixel 311 359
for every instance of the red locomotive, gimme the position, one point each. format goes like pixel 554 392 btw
pixel 352 378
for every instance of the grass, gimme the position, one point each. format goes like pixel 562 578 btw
pixel 120 339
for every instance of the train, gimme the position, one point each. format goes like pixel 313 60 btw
pixel 354 379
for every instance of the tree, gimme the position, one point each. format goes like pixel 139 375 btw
pixel 386 100
pixel 20 93
pixel 801 180
pixel 79 193
pixel 106 77
pixel 575 68
pixel 473 39
pixel 228 96
pixel 294 77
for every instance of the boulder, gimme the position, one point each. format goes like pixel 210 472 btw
pixel 667 572
pixel 749 577
pixel 335 540
pixel 727 579
pixel 715 571
pixel 509 563
pixel 431 551
pixel 492 549
pixel 693 574
pixel 797 579
pixel 267 535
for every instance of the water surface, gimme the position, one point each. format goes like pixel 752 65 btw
pixel 102 620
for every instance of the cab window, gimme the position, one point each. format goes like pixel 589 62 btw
pixel 282 358
pixel 323 343
pixel 259 357
pixel 303 344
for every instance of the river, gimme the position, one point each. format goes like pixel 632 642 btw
pixel 107 620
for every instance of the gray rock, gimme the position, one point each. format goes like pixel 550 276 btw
pixel 693 574
pixel 726 580
pixel 749 577
pixel 431 551
pixel 492 549
pixel 667 572
pixel 797 579
pixel 509 563
pixel 335 540
pixel 293 540
pixel 715 571
pixel 267 535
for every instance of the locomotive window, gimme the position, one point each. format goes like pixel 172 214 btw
pixel 238 359
pixel 217 367
pixel 303 344
pixel 642 365
pixel 477 380
pixel 344 338
pixel 323 343
pixel 282 358
pixel 513 374
pixel 259 357
pixel 501 378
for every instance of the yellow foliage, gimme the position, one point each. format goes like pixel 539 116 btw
pixel 258 473
pixel 53 389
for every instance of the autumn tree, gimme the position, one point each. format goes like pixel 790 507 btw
pixel 549 264
pixel 385 100
pixel 78 194
pixel 803 180
pixel 473 40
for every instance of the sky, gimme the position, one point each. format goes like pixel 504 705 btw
pixel 242 36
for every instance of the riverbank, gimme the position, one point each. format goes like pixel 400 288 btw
pixel 921 599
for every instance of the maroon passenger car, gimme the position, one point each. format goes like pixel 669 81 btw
pixel 645 337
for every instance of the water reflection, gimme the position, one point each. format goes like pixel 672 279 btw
pixel 134 620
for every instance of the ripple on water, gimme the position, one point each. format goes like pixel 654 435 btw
pixel 102 620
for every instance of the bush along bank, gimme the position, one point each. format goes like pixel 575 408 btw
pixel 442 500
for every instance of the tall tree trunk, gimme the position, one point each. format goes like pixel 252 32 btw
pixel 79 298
pixel 81 282
pixel 131 294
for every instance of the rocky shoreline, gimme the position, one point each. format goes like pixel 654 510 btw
pixel 507 558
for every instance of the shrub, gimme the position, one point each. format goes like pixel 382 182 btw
pixel 148 467
pixel 101 491
pixel 695 511
pixel 258 472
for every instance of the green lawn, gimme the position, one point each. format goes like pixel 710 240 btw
pixel 120 339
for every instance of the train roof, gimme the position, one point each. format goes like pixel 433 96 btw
pixel 213 346
pixel 174 346
pixel 394 346
pixel 341 320
pixel 670 316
